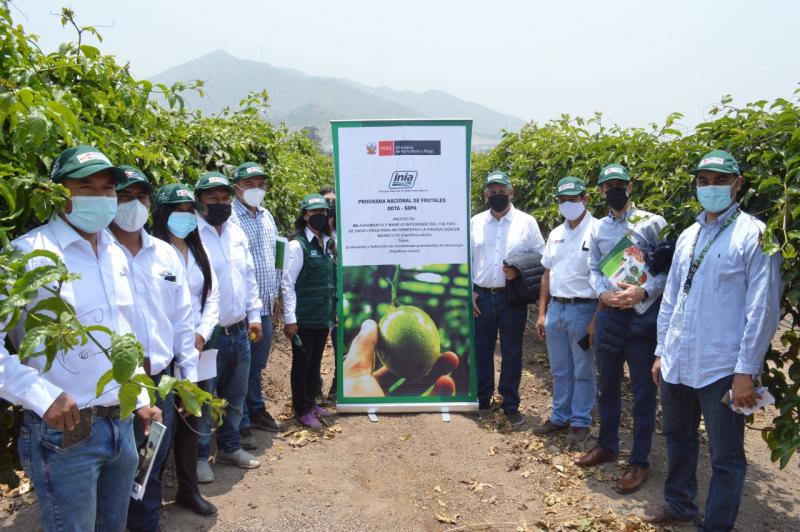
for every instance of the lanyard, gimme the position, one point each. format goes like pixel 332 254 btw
pixel 687 284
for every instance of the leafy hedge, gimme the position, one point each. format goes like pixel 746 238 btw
pixel 50 101
pixel 763 136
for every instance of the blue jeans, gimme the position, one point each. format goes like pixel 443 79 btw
pixel 259 355
pixel 638 352
pixel 682 407
pixel 144 514
pixel 233 368
pixel 86 486
pixel 497 316
pixel 574 384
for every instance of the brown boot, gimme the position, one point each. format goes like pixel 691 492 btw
pixel 663 516
pixel 596 456
pixel 632 479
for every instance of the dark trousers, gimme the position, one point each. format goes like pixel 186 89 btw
pixel 637 351
pixel 144 515
pixel 497 316
pixel 184 445
pixel 682 407
pixel 306 362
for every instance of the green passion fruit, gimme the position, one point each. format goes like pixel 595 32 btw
pixel 408 342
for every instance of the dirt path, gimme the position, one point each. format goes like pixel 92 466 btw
pixel 416 472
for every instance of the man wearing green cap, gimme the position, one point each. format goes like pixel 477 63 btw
pixel 623 336
pixel 239 320
pixel 567 303
pixel 721 309
pixel 80 456
pixel 163 321
pixel 498 233
pixel 250 185
pixel 308 288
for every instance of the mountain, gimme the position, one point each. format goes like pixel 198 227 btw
pixel 301 100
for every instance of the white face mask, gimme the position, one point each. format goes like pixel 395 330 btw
pixel 571 210
pixel 254 196
pixel 131 216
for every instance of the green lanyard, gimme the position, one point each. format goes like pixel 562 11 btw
pixel 687 284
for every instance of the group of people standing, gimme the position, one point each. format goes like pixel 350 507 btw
pixel 697 328
pixel 199 281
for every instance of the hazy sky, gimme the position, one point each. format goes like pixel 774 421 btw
pixel 636 61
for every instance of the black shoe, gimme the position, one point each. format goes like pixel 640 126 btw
pixel 262 420
pixel 196 503
pixel 515 418
pixel 484 405
pixel 548 427
pixel 246 439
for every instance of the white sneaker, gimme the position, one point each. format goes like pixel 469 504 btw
pixel 239 458
pixel 204 473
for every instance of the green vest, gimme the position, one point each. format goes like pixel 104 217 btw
pixel 315 287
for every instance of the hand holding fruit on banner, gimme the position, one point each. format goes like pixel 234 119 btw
pixel 359 379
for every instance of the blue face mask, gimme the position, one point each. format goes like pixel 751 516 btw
pixel 715 198
pixel 181 224
pixel 92 214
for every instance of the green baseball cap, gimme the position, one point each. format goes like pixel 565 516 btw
pixel 134 176
pixel 718 161
pixel 213 180
pixel 245 170
pixel 80 162
pixel 570 186
pixel 613 171
pixel 175 193
pixel 498 177
pixel 313 201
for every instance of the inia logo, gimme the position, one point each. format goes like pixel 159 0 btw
pixel 402 179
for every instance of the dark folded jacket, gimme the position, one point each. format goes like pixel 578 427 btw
pixel 525 288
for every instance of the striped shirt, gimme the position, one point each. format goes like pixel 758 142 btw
pixel 261 232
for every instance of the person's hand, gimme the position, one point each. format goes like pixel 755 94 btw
pixel 255 332
pixel 476 312
pixel 359 379
pixel 656 370
pixel 510 273
pixel 146 415
pixel 290 329
pixel 590 330
pixel 630 295
pixel 744 391
pixel 540 332
pixel 63 414
pixel 276 307
pixel 199 342
pixel 611 299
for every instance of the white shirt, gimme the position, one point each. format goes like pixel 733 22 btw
pixel 495 240
pixel 292 265
pixel 566 255
pixel 204 318
pixel 733 307
pixel 232 262
pixel 163 323
pixel 102 296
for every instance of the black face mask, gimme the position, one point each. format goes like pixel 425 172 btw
pixel 218 213
pixel 617 197
pixel 498 202
pixel 318 221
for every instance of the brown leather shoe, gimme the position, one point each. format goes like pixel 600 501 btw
pixel 632 479
pixel 596 456
pixel 663 516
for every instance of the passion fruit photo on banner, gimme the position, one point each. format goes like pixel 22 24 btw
pixel 405 334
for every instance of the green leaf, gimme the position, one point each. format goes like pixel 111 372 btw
pixel 165 386
pixel 148 384
pixel 128 397
pixel 126 355
pixel 190 401
pixel 103 382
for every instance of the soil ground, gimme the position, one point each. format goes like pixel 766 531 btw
pixel 417 472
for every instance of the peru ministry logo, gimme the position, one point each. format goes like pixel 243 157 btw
pixel 402 179
pixel 372 148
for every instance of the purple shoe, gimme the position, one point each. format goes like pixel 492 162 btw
pixel 321 412
pixel 310 420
